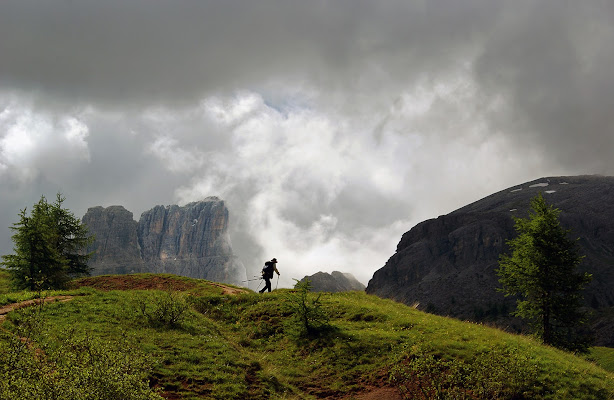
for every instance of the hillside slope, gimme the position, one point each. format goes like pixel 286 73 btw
pixel 447 264
pixel 249 346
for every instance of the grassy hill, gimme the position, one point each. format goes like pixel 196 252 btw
pixel 193 339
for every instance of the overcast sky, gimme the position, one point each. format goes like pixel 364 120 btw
pixel 330 128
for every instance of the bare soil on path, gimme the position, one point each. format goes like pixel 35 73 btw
pixel 380 394
pixel 4 310
pixel 120 282
pixel 136 282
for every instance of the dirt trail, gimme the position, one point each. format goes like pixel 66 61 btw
pixel 227 289
pixel 4 310
pixel 125 282
pixel 380 394
pixel 136 282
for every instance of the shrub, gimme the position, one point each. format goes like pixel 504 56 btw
pixel 162 309
pixel 308 317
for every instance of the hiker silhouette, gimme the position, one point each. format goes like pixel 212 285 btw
pixel 267 274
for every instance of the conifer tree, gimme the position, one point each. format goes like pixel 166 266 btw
pixel 48 247
pixel 542 272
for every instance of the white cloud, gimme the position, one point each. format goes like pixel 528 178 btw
pixel 32 141
pixel 308 185
pixel 176 158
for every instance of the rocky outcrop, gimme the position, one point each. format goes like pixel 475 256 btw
pixel 447 265
pixel 190 241
pixel 334 282
pixel 116 247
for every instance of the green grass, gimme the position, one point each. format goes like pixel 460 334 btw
pixel 9 295
pixel 246 347
pixel 5 281
pixel 604 357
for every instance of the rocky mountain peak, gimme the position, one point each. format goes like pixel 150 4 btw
pixel 447 265
pixel 334 282
pixel 190 240
pixel 116 247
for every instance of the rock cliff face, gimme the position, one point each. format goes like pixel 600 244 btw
pixel 116 248
pixel 447 265
pixel 334 282
pixel 190 241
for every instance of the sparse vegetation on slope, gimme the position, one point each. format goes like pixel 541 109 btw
pixel 240 347
pixel 5 285
pixel 604 356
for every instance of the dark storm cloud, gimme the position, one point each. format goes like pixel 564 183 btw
pixel 118 51
pixel 549 64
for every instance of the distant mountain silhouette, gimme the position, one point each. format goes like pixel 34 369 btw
pixel 447 265
pixel 334 282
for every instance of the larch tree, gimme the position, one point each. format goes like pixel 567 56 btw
pixel 48 247
pixel 542 272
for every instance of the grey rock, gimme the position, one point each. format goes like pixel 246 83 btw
pixel 334 282
pixel 191 241
pixel 116 247
pixel 447 265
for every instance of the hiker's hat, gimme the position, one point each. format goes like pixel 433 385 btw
pixel 274 260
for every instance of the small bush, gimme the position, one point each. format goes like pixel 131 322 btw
pixel 162 309
pixel 309 319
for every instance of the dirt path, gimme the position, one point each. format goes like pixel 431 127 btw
pixel 380 394
pixel 227 289
pixel 137 282
pixel 121 283
pixel 29 303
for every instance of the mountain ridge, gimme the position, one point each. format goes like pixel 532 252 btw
pixel 334 282
pixel 446 265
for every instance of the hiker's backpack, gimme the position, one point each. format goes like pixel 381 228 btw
pixel 268 269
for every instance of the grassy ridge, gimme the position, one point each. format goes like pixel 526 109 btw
pixel 244 346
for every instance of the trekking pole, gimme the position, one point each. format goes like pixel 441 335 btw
pixel 249 280
pixel 277 282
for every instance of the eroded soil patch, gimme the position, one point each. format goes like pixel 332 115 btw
pixel 133 282
pixel 380 394
pixel 148 282
pixel 29 303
